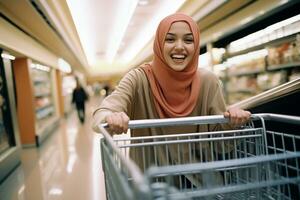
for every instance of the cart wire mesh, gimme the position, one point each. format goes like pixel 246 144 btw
pixel 251 162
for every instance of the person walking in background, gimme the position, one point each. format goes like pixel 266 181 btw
pixel 79 97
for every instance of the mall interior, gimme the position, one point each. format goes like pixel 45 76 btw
pixel 46 46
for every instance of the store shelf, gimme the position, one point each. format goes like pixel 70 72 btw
pixel 253 72
pixel 44 111
pixel 275 42
pixel 46 94
pixel 268 69
pixel 246 73
pixel 283 66
pixel 43 95
pixel 247 91
pixel 45 128
pixel 38 109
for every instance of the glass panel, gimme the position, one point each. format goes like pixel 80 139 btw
pixel 6 131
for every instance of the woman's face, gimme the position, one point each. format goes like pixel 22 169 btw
pixel 179 46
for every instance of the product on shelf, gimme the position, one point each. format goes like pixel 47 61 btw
pixel 288 52
pixel 251 62
pixel 296 49
pixel 244 84
pixel 270 80
pixel 248 67
pixel 257 71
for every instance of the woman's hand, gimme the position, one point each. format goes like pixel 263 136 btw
pixel 237 116
pixel 117 122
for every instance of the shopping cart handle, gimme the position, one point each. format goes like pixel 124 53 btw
pixel 198 120
pixel 277 117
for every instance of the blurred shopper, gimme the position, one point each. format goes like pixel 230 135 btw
pixel 79 98
pixel 169 86
pixel 107 89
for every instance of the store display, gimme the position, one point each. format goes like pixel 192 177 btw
pixel 266 81
pixel 249 63
pixel 262 69
pixel 44 107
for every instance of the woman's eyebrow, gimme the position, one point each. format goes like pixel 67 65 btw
pixel 171 34
pixel 188 34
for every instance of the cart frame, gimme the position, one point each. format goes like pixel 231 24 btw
pixel 125 180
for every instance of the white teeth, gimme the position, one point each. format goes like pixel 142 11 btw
pixel 178 56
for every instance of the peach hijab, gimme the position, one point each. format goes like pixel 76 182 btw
pixel 175 92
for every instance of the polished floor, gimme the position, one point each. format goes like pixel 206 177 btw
pixel 66 166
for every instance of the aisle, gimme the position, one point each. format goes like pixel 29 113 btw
pixel 66 166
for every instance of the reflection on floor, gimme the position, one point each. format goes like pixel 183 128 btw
pixel 66 166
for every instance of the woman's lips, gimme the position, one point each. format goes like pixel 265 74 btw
pixel 178 58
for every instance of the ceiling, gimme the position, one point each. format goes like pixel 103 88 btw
pixel 112 35
pixel 82 32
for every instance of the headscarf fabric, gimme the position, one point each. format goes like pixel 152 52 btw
pixel 175 92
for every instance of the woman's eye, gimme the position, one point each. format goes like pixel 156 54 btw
pixel 189 40
pixel 169 39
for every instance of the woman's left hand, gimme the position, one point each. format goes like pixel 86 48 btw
pixel 237 116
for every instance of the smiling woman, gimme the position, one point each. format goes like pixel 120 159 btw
pixel 171 85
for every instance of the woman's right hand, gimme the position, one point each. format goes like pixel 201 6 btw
pixel 117 122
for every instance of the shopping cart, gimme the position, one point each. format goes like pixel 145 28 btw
pixel 252 162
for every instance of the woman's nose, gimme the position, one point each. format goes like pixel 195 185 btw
pixel 179 44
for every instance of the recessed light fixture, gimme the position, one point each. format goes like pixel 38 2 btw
pixel 8 56
pixel 143 2
pixel 64 66
pixel 55 191
pixel 40 67
pixel 120 23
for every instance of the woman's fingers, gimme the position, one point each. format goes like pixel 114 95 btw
pixel 125 120
pixel 117 122
pixel 237 116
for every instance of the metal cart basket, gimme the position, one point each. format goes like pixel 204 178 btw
pixel 252 162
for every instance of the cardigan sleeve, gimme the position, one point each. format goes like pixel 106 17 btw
pixel 120 100
pixel 217 104
pixel 218 107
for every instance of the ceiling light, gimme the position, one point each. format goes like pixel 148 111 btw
pixel 84 24
pixel 40 67
pixel 55 191
pixel 64 66
pixel 8 56
pixel 123 16
pixel 146 34
pixel 143 2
